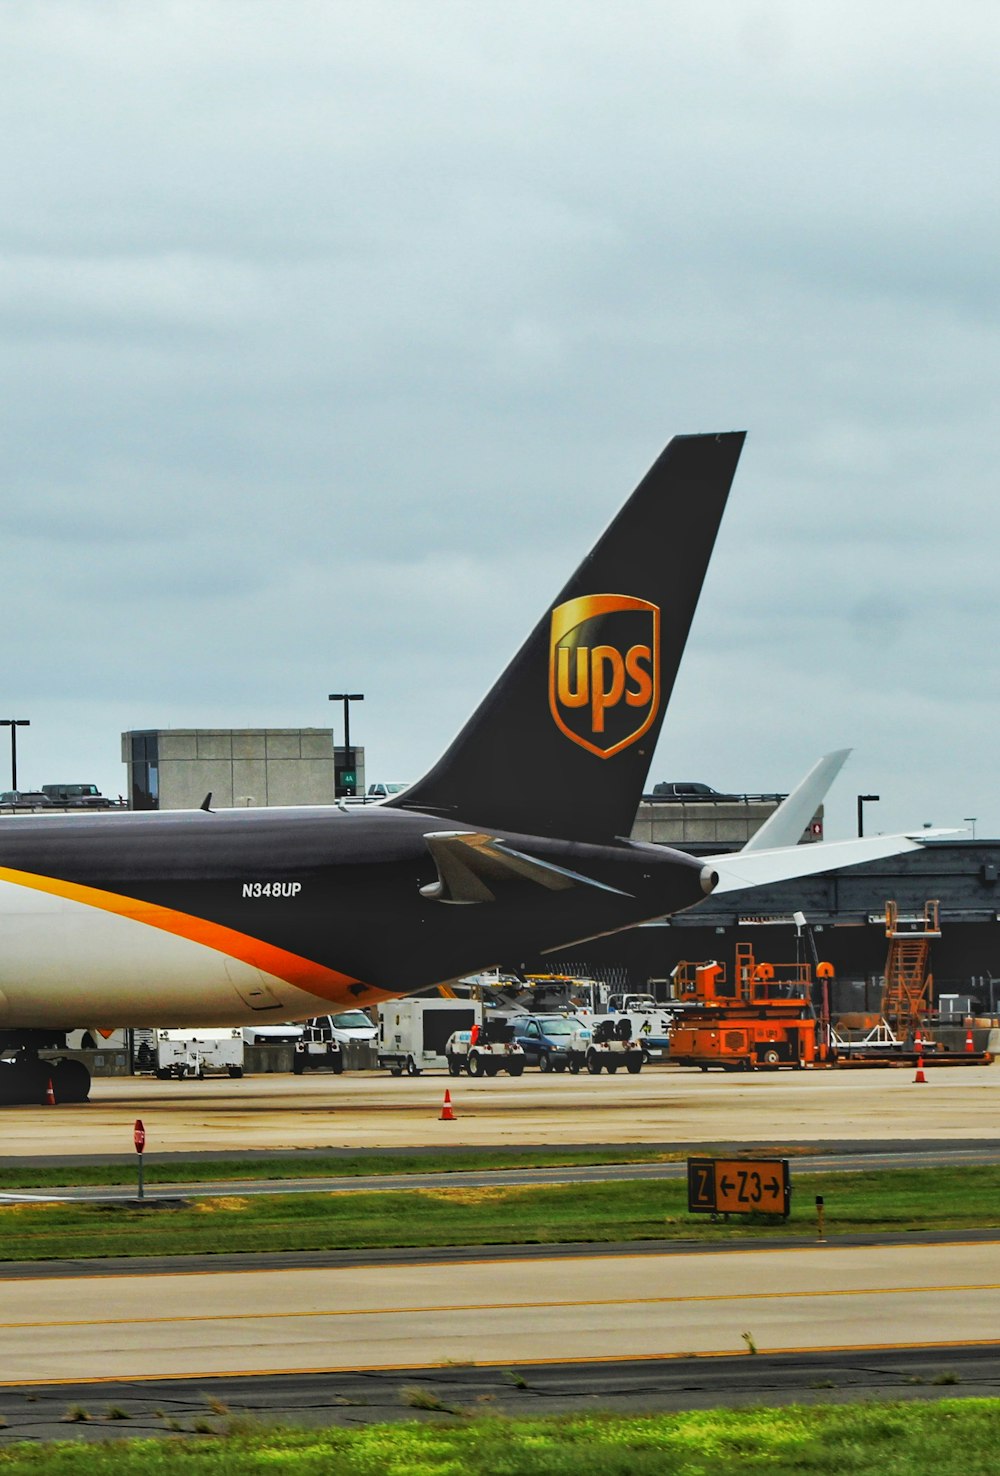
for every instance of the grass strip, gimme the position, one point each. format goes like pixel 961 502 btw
pixel 887 1201
pixel 948 1437
pixel 328 1166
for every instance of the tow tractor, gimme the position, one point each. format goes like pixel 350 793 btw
pixel 318 1049
pixel 484 1050
pixel 649 1020
pixel 612 1045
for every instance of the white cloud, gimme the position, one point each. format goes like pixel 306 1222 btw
pixel 332 335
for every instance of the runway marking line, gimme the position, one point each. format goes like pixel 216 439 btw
pixel 335 1368
pixel 775 1296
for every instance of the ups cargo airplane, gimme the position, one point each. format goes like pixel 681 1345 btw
pixel 516 841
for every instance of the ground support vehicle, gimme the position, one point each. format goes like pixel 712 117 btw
pixel 744 1040
pixel 612 1046
pixel 553 1042
pixel 485 1050
pixel 650 1024
pixel 196 1053
pixel 317 1048
pixel 413 1032
pixel 764 1019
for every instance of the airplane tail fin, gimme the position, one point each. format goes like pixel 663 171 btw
pixel 561 745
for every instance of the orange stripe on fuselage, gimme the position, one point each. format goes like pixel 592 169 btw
pixel 303 973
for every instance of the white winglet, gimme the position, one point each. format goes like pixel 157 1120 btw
pixel 785 826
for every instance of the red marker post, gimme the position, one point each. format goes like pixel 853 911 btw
pixel 139 1138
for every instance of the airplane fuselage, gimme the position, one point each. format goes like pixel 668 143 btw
pixel 199 917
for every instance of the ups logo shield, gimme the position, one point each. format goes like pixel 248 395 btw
pixel 604 670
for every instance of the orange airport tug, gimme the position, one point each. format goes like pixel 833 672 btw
pixel 762 1020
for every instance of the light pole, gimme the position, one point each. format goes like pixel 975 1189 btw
pixel 971 820
pixel 864 799
pixel 13 724
pixel 346 698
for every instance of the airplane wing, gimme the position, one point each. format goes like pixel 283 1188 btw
pixel 741 869
pixel 785 826
pixel 470 865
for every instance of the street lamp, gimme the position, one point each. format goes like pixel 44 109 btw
pixel 971 820
pixel 864 799
pixel 13 724
pixel 348 768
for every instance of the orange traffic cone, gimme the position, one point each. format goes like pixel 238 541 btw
pixel 970 1044
pixel 447 1115
pixel 50 1095
pixel 920 1069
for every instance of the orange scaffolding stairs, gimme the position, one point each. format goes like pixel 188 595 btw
pixel 906 997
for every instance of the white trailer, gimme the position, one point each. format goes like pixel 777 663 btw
pixel 198 1053
pixel 413 1033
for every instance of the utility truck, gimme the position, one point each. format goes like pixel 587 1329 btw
pixel 413 1032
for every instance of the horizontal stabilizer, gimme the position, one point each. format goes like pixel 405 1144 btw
pixel 742 869
pixel 785 826
pixel 471 865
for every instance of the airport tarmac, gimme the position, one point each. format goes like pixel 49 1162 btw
pixel 497 1311
pixel 279 1328
pixel 371 1110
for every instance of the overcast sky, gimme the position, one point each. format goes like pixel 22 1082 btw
pixel 333 334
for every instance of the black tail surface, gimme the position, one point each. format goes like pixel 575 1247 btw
pixel 561 745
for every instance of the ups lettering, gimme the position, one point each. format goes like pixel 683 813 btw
pixel 600 676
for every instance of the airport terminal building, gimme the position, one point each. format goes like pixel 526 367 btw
pixel 175 768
